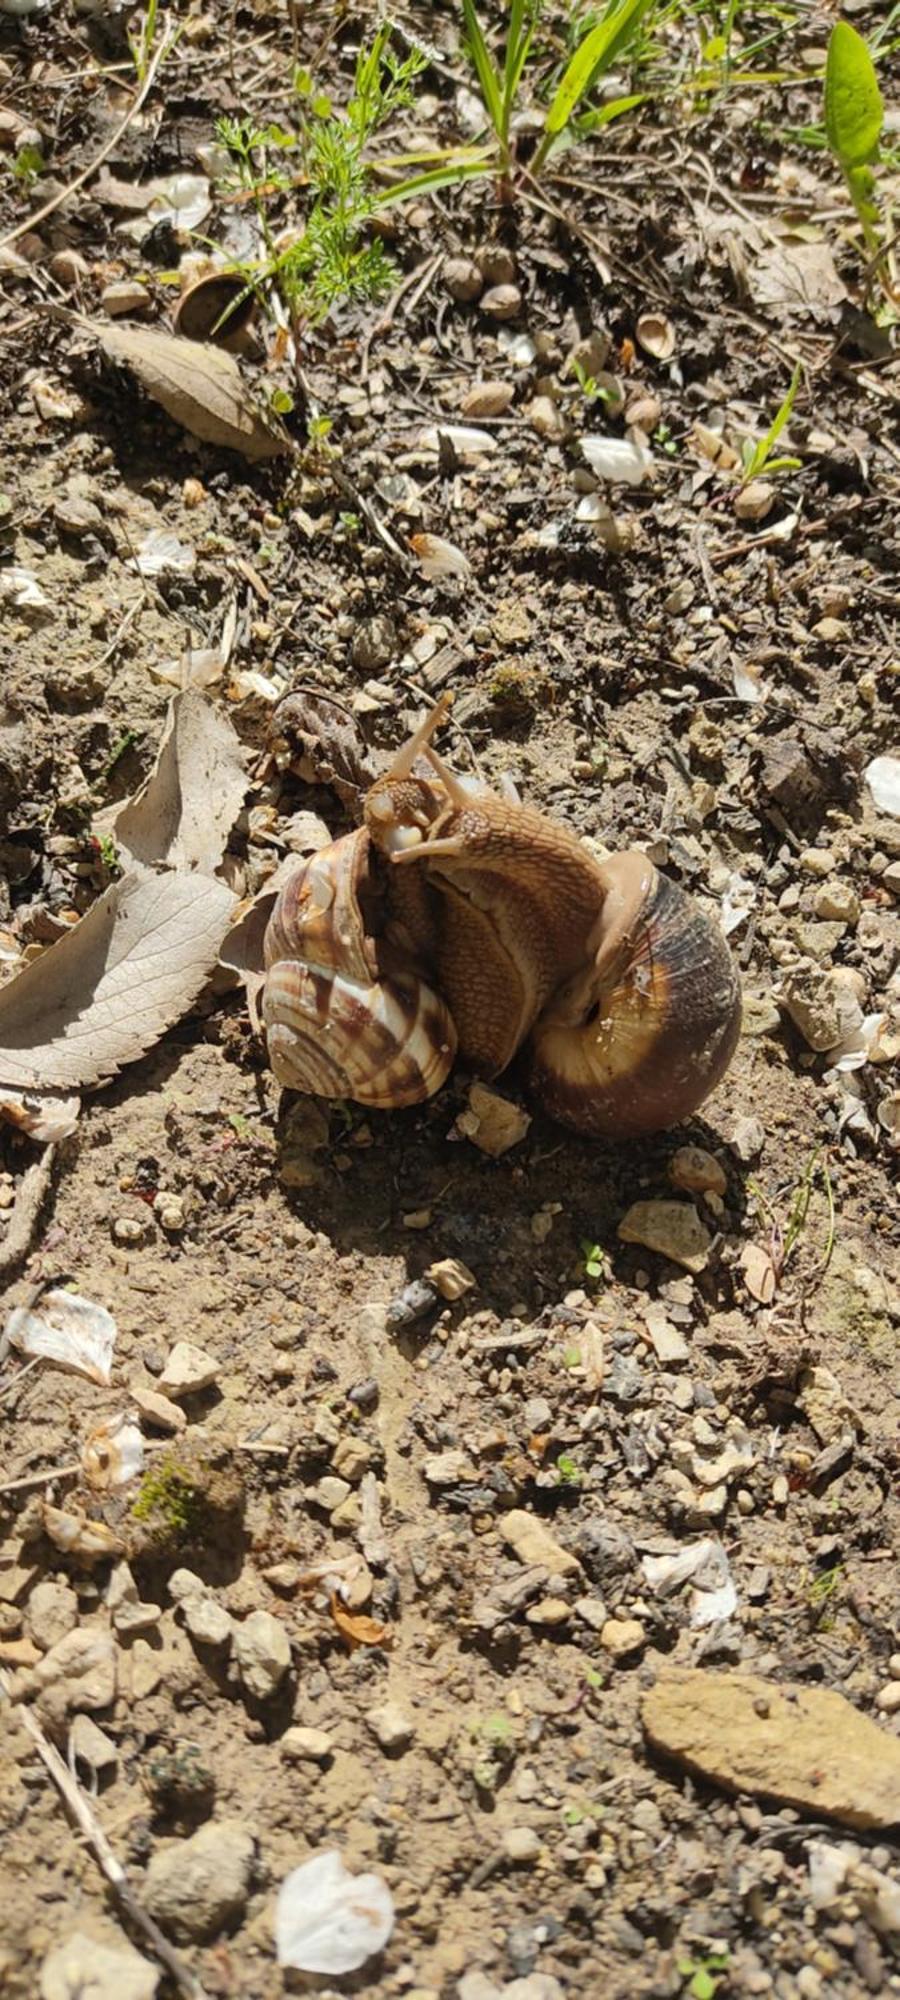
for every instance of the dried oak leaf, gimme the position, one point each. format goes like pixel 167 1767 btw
pixel 199 386
pixel 182 815
pixel 106 991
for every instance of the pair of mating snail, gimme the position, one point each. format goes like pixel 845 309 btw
pixel 455 921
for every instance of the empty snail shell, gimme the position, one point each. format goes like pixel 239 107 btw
pixel 459 918
pixel 340 1020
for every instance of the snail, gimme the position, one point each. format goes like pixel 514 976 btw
pixel 459 921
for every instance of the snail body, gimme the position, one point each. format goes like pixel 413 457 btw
pixel 454 920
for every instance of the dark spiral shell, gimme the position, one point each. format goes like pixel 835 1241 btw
pixel 658 1039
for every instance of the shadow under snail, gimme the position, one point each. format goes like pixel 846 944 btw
pixel 456 921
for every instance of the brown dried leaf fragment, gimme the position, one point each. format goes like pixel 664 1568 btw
pixel 199 387
pixel 182 815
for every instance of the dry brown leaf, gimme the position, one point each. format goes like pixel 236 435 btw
pixel 795 276
pixel 183 813
pixel 358 1630
pixel 200 387
pixel 106 991
pixel 760 1276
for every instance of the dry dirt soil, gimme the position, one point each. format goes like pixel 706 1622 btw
pixel 669 674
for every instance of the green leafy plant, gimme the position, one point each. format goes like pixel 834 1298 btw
pixel 596 55
pixel 854 121
pixel 758 457
pixel 569 1470
pixel 334 255
pixel 499 82
pixel 704 1975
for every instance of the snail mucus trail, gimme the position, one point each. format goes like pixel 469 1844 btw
pixel 455 921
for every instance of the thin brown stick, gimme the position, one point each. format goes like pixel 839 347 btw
pixel 56 200
pixel 29 1202
pixel 79 1807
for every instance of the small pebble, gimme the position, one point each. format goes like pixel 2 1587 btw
pixel 262 1651
pixel 306 1746
pixel 697 1171
pixel 208 1622
pixel 127 1230
pixel 125 297
pixel 188 1370
pixel 622 1636
pixel 391 1728
pixel 521 1844
pixel 888 1698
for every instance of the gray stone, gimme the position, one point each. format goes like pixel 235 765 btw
pixel 262 1650
pixel 208 1623
pixel 91 1746
pixel 52 1612
pixel 195 1887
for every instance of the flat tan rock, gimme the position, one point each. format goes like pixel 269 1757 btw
pixel 804 1746
pixel 672 1228
pixel 533 1543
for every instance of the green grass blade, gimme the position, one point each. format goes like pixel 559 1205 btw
pixel 518 43
pixel 773 434
pixel 593 58
pixel 488 77
pixel 594 121
pixel 437 177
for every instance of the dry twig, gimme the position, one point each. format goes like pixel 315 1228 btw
pixel 29 1202
pixel 80 1809
pixel 56 200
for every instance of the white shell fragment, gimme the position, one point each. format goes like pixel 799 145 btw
pixel 113 1454
pixel 656 335
pixel 183 200
pixel 437 558
pixel 705 1564
pixel 618 460
pixel 161 551
pixel 71 1331
pixel 21 587
pixel 883 780
pixel 467 442
pixel 328 1920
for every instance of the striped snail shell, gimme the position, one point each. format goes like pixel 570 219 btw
pixel 634 1043
pixel 344 1016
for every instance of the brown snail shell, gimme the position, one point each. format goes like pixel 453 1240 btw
pixel 341 1019
pixel 219 307
pixel 657 1030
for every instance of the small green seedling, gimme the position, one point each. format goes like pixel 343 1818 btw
pixel 703 1976
pixel 569 1470
pixel 758 457
pixel 854 121
pixel 594 1259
